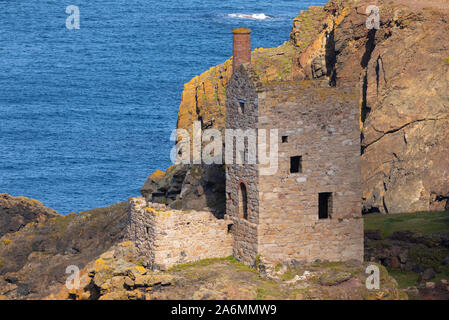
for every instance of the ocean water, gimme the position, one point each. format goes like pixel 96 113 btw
pixel 86 115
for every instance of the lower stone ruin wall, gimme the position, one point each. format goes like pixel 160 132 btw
pixel 166 237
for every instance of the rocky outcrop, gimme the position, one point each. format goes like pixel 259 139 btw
pixel 188 187
pixel 403 70
pixel 119 275
pixel 422 259
pixel 408 250
pixel 33 260
pixel 16 212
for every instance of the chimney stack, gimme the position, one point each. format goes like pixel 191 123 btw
pixel 242 47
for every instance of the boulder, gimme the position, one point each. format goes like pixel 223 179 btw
pixel 395 264
pixel 403 256
pixel 430 285
pixel 152 184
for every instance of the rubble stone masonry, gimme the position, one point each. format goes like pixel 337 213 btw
pixel 166 237
pixel 319 124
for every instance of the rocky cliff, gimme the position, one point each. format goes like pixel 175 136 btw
pixel 403 72
pixel 16 212
pixel 34 256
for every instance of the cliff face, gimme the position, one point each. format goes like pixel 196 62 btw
pixel 403 73
pixel 16 212
pixel 33 259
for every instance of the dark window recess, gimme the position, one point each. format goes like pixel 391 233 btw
pixel 324 205
pixel 296 164
pixel 242 107
pixel 148 230
pixel 230 227
pixel 243 201
pixel 284 139
pixel 242 104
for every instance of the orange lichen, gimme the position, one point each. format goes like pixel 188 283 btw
pixel 158 174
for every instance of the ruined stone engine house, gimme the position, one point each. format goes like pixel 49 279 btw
pixel 308 209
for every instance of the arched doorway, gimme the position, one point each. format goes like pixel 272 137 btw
pixel 243 201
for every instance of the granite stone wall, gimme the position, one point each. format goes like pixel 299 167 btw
pixel 321 125
pixel 166 237
pixel 242 90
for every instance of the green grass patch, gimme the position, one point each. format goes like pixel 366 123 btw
pixel 327 264
pixel 423 222
pixel 444 273
pixel 288 275
pixel 380 243
pixel 268 289
pixel 200 263
pixel 428 257
pixel 207 262
pixel 405 279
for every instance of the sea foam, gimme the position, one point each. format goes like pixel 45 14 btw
pixel 254 16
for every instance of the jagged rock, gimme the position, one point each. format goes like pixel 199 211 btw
pixel 430 285
pixel 135 271
pixel 152 184
pixel 16 212
pixel 405 106
pixel 333 278
pixel 186 187
pixel 118 282
pixel 46 246
pixel 414 291
pixel 129 283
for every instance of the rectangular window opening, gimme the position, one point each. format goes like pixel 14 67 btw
pixel 296 164
pixel 325 205
pixel 284 139
pixel 242 105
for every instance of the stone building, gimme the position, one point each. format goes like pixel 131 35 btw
pixel 310 208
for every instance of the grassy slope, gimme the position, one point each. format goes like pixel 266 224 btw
pixel 421 222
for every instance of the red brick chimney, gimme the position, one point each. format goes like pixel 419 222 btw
pixel 242 47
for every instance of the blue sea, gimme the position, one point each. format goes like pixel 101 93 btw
pixel 86 114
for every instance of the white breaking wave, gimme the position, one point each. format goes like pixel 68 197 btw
pixel 254 16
